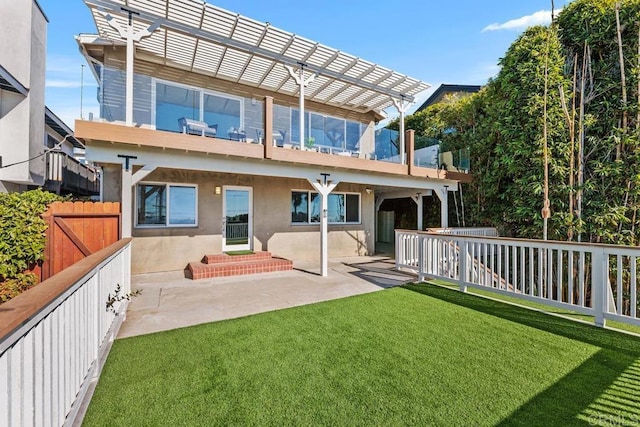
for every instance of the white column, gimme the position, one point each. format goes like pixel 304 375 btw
pixel 300 80
pixel 443 195
pixel 129 82
pixel 402 107
pixel 129 179
pixel 418 200
pixel 126 206
pixel 126 32
pixel 324 187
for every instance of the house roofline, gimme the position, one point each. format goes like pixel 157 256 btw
pixel 447 88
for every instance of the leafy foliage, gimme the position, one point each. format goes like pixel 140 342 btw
pixel 502 125
pixel 22 239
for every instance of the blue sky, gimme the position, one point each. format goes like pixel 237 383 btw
pixel 458 42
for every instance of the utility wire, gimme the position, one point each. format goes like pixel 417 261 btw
pixel 48 150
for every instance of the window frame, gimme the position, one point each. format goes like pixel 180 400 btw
pixel 309 210
pixel 168 186
pixel 201 92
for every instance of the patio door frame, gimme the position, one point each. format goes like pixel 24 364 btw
pixel 249 244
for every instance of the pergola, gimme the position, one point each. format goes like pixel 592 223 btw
pixel 199 37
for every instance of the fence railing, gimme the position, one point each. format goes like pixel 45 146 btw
pixel 591 279
pixel 466 231
pixel 54 338
pixel 66 173
pixel 237 230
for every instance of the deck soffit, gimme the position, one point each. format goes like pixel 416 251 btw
pixel 212 41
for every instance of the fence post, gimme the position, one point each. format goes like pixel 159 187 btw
pixel 421 275
pixel 462 263
pixel 397 239
pixel 598 288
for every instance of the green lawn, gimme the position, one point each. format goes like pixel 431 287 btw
pixel 418 355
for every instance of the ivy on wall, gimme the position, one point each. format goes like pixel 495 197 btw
pixel 22 239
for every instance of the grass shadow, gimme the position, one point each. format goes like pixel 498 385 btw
pixel 604 390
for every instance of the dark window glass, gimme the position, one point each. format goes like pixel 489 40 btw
pixel 152 204
pixel 353 208
pixel 299 206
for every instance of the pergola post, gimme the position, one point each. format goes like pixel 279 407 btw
pixel 129 179
pixel 126 32
pixel 443 195
pixel 402 106
pixel 267 138
pixel 324 187
pixel 418 200
pixel 302 82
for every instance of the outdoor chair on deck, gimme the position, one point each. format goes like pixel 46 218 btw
pixel 195 127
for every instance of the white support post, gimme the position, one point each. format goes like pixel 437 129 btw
pixel 302 82
pixel 126 207
pixel 402 106
pixel 324 187
pixel 126 32
pixel 129 82
pixel 443 195
pixel 418 200
pixel 129 179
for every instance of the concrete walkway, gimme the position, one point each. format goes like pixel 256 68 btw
pixel 169 301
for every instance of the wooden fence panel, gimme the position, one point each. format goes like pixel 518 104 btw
pixel 76 230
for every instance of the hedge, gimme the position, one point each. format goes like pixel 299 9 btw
pixel 22 239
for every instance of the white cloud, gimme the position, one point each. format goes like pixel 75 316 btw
pixel 541 17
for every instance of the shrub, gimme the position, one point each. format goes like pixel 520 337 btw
pixel 22 239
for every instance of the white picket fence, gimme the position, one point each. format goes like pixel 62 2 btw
pixel 49 362
pixel 596 280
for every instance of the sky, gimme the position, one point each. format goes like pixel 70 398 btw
pixel 454 42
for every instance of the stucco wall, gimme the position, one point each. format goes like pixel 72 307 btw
pixel 172 248
pixel 22 118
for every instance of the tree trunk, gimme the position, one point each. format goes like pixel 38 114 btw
pixel 623 82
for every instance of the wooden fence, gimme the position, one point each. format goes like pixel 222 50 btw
pixel 77 230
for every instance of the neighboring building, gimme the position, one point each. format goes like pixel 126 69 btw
pixel 447 89
pixel 36 147
pixel 66 169
pixel 200 136
pixel 22 82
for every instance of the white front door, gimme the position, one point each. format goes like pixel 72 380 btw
pixel 237 218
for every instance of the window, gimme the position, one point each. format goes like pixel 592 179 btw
pixel 343 208
pixel 162 205
pixel 174 101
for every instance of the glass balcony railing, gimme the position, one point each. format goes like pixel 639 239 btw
pixel 177 107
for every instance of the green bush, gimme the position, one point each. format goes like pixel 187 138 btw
pixel 22 239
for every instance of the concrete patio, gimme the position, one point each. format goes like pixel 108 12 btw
pixel 169 301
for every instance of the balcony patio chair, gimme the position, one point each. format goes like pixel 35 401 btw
pixel 237 135
pixel 446 162
pixel 196 127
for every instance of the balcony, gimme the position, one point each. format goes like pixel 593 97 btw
pixel 66 175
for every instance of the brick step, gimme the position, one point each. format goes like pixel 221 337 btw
pixel 225 258
pixel 198 270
